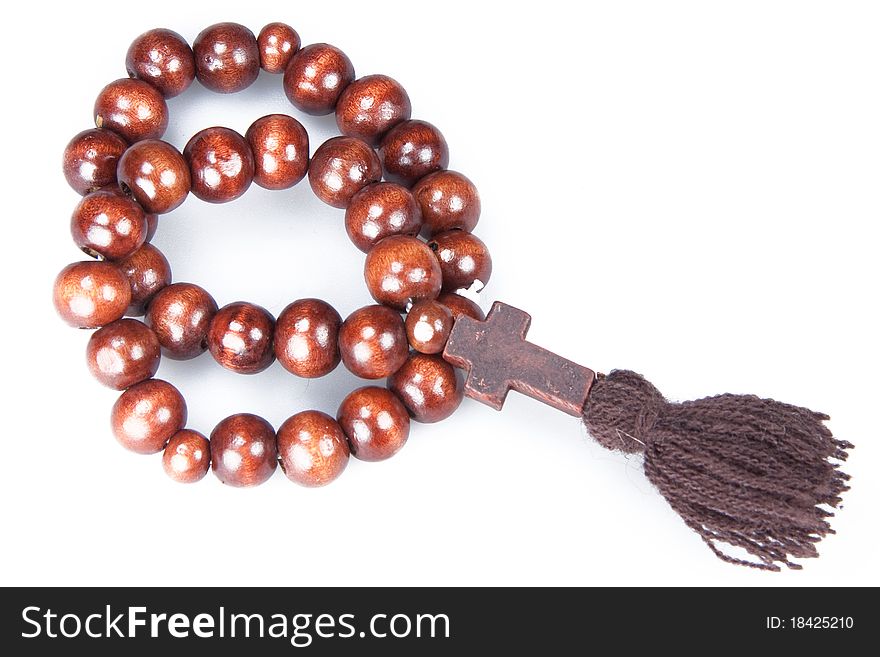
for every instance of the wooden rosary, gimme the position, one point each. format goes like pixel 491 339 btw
pixel 743 472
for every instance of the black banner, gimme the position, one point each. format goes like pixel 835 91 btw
pixel 428 621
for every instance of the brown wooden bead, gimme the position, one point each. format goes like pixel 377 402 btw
pixel 412 150
pixel 375 422
pixel 278 43
pixel 155 174
pixel 133 109
pixel 400 269
pixel 448 201
pixel 372 342
pixel 187 456
pixel 227 57
pixel 164 59
pixel 123 353
pixel 464 258
pixel 90 159
pixel 90 294
pixel 307 338
pixel 312 449
pixel 379 211
pixel 340 168
pixel 240 337
pixel 108 225
pixel 370 106
pixel 180 316
pixel 147 414
pixel 221 164
pixel 428 325
pixel 147 271
pixel 428 386
pixel 280 146
pixel 316 77
pixel 243 451
pixel 459 305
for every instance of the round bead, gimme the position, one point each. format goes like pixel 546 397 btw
pixel 164 59
pixel 375 421
pixel 221 164
pixel 278 43
pixel 463 258
pixel 312 449
pixel 379 211
pixel 147 271
pixel 155 174
pixel 371 106
pixel 402 268
pixel 280 147
pixel 108 225
pixel 133 109
pixel 306 338
pixel 428 325
pixel 146 415
pixel 90 159
pixel 428 386
pixel 243 451
pixel 412 150
pixel 180 316
pixel 316 76
pixel 90 294
pixel 187 456
pixel 448 201
pixel 240 337
pixel 123 353
pixel 459 305
pixel 227 57
pixel 340 168
pixel 372 342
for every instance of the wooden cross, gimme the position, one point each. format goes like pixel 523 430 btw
pixel 498 358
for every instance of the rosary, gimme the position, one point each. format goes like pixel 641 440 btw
pixel 743 472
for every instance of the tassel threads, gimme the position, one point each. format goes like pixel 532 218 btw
pixel 740 470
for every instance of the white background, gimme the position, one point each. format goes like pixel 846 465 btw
pixel 687 189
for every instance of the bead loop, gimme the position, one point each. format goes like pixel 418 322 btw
pixel 387 171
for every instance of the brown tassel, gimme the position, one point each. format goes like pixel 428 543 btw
pixel 740 470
